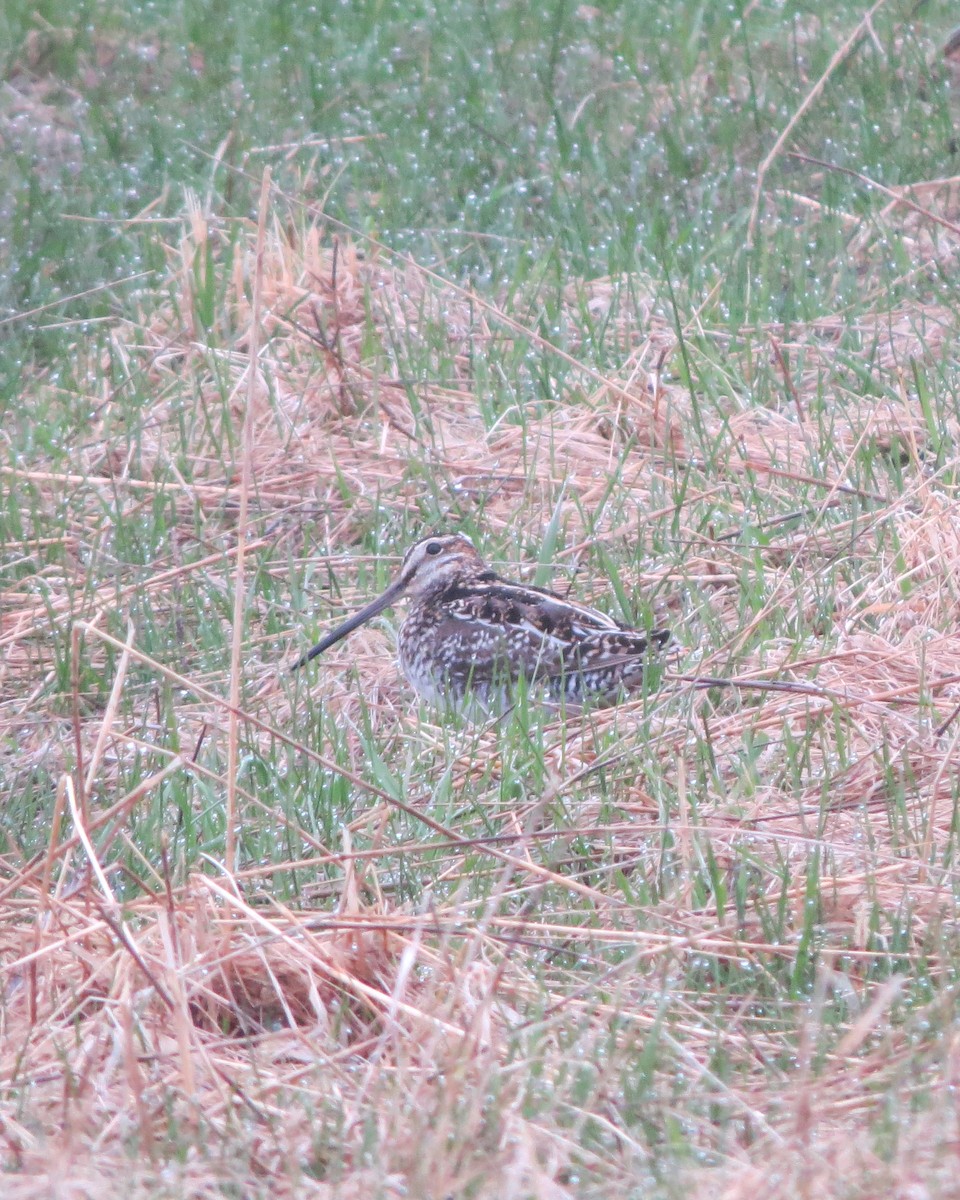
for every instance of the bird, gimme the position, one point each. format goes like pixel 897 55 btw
pixel 469 636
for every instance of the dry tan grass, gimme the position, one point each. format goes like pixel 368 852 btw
pixel 208 1014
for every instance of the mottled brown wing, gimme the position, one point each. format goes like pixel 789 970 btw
pixel 488 633
pixel 604 664
pixel 472 649
pixel 509 604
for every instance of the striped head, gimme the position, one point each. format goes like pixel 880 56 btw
pixel 434 563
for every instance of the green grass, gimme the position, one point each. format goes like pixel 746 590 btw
pixel 712 929
pixel 469 155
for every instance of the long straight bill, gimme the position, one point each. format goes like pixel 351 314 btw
pixel 359 618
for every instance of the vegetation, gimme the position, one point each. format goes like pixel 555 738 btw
pixel 659 303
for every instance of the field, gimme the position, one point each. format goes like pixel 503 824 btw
pixel 659 304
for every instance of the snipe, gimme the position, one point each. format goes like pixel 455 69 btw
pixel 470 635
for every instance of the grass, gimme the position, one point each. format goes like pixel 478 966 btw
pixel 515 275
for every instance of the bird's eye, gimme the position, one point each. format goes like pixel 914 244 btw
pixel 434 547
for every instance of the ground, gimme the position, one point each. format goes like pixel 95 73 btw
pixel 645 329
